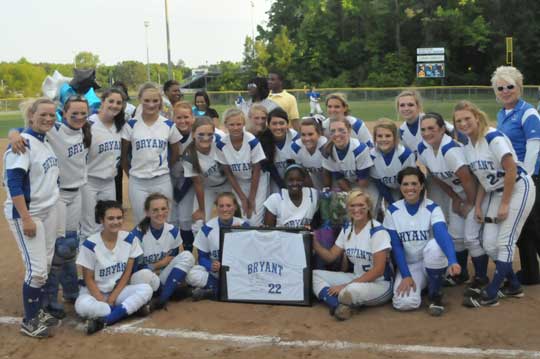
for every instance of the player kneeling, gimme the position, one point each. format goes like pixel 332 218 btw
pixel 421 260
pixel 204 276
pixel 164 266
pixel 366 245
pixel 107 260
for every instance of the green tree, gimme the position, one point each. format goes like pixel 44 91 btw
pixel 86 59
pixel 132 73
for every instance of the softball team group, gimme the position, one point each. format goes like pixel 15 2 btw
pixel 421 199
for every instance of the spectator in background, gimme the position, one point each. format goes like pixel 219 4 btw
pixel 284 99
pixel 129 111
pixel 171 90
pixel 258 92
pixel 202 108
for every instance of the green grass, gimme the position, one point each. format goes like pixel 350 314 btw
pixel 9 120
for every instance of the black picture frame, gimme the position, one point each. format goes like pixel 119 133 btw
pixel 307 238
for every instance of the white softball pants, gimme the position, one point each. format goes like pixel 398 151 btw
pixel 499 240
pixel 95 189
pixel 464 231
pixel 132 298
pixel 433 258
pixel 182 211
pixel 363 294
pixel 256 218
pixel 183 261
pixel 140 188
pixel 37 252
pixel 210 196
pixel 198 276
pixel 69 212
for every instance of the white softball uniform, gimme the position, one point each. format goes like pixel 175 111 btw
pixel 359 130
pixel 359 249
pixel 421 250
pixel 312 162
pixel 182 211
pixel 149 170
pixel 350 162
pixel 207 240
pixel 287 213
pixel 411 135
pixel 485 161
pixel 68 146
pixel 444 164
pixel 102 161
pixel 212 175
pixel 108 266
pixel 40 190
pixel 240 162
pixel 386 167
pixel 283 153
pixel 156 245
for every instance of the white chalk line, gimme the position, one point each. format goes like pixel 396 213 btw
pixel 264 340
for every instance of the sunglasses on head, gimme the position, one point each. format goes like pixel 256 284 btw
pixel 508 87
pixel 251 86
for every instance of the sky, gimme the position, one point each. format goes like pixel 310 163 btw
pixel 201 31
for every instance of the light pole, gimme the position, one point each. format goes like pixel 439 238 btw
pixel 146 25
pixel 169 67
pixel 252 29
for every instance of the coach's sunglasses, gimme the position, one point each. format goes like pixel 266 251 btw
pixel 508 87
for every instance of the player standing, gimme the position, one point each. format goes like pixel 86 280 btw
pixel 366 244
pixel 422 261
pixel 241 153
pixel 445 160
pixel 31 211
pixel 503 200
pixel 147 138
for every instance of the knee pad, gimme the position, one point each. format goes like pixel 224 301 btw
pixel 66 247
pixel 434 256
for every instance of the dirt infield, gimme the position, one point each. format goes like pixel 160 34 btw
pixel 226 330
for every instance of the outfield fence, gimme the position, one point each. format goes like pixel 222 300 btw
pixel 362 94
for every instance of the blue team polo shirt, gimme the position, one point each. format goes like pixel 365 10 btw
pixel 519 129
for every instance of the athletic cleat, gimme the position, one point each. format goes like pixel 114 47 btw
pixel 508 292
pixel 156 304
pixel 94 325
pixel 55 312
pixel 436 308
pixel 144 311
pixel 452 281
pixel 203 293
pixel 480 300
pixel 48 319
pixel 346 297
pixel 181 293
pixel 34 328
pixel 476 286
pixel 343 312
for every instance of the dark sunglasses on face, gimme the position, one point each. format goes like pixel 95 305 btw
pixel 508 87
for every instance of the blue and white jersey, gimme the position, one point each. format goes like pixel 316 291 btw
pixel 312 162
pixel 414 229
pixel 104 152
pixel 212 172
pixel 240 161
pixel 157 244
pixel 107 264
pixel 207 239
pixel 520 125
pixel 313 96
pixel 386 166
pixel 68 146
pixel 149 146
pixel 360 247
pixel 283 151
pixel 352 163
pixel 287 213
pixel 359 130
pixel 177 170
pixel 485 159
pixel 39 184
pixel 411 135
pixel 446 162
